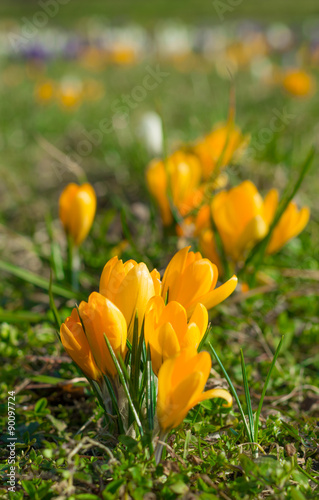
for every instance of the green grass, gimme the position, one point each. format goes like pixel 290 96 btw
pixel 148 13
pixel 63 447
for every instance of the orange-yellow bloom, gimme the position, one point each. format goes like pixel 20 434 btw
pixel 176 178
pixel 76 345
pixel 129 286
pixel 291 223
pixel 219 147
pixel 208 248
pixel 70 93
pixel 100 316
pixel 181 381
pixel 167 331
pixel 77 206
pixel 45 91
pixel 242 217
pixel 189 279
pixel 298 82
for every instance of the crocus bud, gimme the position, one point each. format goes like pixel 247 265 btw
pixel 101 317
pixel 219 147
pixel 129 286
pixel 298 83
pixel 77 210
pixel 76 345
pixel 173 181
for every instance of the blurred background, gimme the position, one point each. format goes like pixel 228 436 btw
pixel 83 85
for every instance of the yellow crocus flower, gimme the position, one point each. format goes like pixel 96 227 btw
pixel 100 316
pixel 175 178
pixel 77 206
pixel 129 286
pixel 298 83
pixel 208 248
pixel 167 331
pixel 181 381
pixel 76 345
pixel 291 223
pixel 219 147
pixel 242 218
pixel 189 279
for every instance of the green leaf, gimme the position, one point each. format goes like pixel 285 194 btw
pixel 21 317
pixel 58 424
pixel 29 488
pixel 86 496
pixel 122 380
pixel 265 389
pixel 36 280
pixel 247 395
pixel 40 405
pixel 54 310
pixel 232 390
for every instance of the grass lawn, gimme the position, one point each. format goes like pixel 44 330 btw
pixel 63 446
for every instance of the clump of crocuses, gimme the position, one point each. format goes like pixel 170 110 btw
pixel 138 341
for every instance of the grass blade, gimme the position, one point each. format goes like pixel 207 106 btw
pixel 114 403
pixel 202 342
pixel 265 388
pixel 233 391
pixel 53 306
pixel 21 317
pixel 36 280
pixel 122 380
pixel 149 391
pixel 247 394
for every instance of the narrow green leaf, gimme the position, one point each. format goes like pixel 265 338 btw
pixel 53 306
pixel 21 317
pixel 150 391
pixel 247 394
pixel 122 380
pixel 202 342
pixel 186 444
pixel 114 403
pixel 265 389
pixel 36 280
pixel 233 391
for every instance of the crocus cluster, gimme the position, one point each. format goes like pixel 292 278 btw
pixel 185 187
pixel 69 93
pixel 178 183
pixel 242 218
pixel 168 316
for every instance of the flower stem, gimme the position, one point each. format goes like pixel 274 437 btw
pixel 159 447
pixel 73 264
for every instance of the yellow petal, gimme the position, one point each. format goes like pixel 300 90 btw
pixel 156 277
pixel 135 291
pixel 217 295
pixel 100 316
pixel 192 337
pixel 216 393
pixel 270 205
pixel 173 271
pixel 195 282
pixel 76 345
pixel 200 318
